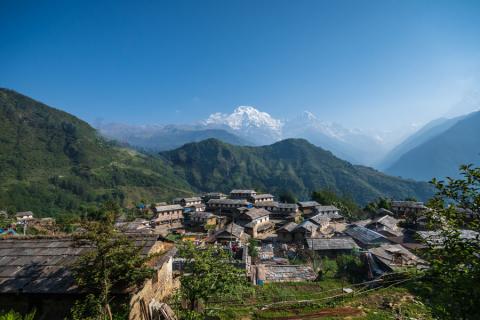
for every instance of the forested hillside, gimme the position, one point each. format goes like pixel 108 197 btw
pixel 293 165
pixel 51 161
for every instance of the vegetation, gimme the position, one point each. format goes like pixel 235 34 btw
pixel 12 315
pixel 113 264
pixel 347 206
pixel 303 167
pixel 209 274
pixel 52 162
pixel 454 261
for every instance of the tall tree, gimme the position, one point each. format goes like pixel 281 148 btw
pixel 113 263
pixel 455 255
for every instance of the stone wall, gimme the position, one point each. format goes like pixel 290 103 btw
pixel 159 287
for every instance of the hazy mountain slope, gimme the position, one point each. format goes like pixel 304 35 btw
pixel 442 155
pixel 51 161
pixel 294 165
pixel 160 138
pixel 426 133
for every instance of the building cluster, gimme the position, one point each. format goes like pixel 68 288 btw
pixel 39 269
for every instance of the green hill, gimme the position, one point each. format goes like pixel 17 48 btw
pixel 51 161
pixel 290 165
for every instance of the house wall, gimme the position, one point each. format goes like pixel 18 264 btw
pixel 167 216
pixel 159 287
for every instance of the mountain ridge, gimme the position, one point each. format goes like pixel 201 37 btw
pixel 293 165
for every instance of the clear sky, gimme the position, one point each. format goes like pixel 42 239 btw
pixel 364 63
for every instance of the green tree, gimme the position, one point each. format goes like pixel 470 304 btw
pixel 253 248
pixel 113 262
pixel 347 206
pixel 209 273
pixel 287 197
pixel 12 315
pixel 454 258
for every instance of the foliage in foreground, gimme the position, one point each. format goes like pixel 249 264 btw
pixel 209 274
pixel 12 315
pixel 454 259
pixel 114 264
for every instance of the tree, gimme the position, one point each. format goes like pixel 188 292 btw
pixel 287 197
pixel 253 248
pixel 208 273
pixel 113 263
pixel 347 206
pixel 454 258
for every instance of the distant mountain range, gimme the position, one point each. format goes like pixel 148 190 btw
pixel 249 126
pixel 292 165
pixel 52 162
pixel 438 149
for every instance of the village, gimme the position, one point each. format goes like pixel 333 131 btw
pixel 273 242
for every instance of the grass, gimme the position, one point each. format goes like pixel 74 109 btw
pixel 386 303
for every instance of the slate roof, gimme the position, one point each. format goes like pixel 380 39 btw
pixel 320 219
pixel 256 213
pixel 235 230
pixel 263 195
pixel 243 191
pixel 434 237
pixel 22 214
pixel 228 201
pixel 365 235
pixel 304 204
pixel 321 244
pixel 387 221
pixel 287 273
pixel 188 199
pixel 307 225
pixel 202 215
pixel 170 207
pixel 293 206
pixel 396 256
pixel 40 265
pixel 289 227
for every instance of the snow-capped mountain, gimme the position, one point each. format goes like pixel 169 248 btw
pixel 248 126
pixel 248 122
pixel 353 145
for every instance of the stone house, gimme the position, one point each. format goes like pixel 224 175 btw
pixel 221 206
pixel 231 233
pixel 332 212
pixel 35 273
pixel 264 197
pixel 386 225
pixel 308 208
pixel 285 233
pixel 187 202
pixel 23 216
pixel 255 221
pixel 167 214
pixel 405 209
pixel 242 194
pixel 304 230
pixel 202 219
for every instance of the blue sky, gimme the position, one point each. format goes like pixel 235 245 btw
pixel 367 64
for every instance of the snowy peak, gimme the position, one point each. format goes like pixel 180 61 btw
pixel 249 123
pixel 245 117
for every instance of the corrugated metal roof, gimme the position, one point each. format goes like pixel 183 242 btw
pixel 365 235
